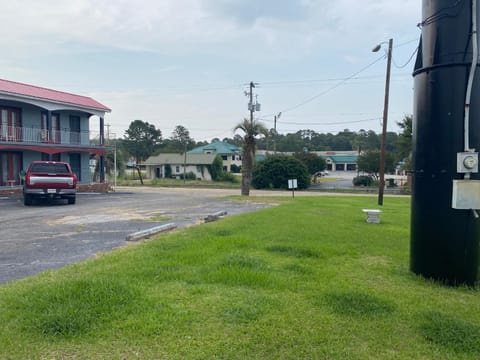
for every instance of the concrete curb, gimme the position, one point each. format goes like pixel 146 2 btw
pixel 149 232
pixel 215 216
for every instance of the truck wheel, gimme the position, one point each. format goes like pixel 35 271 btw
pixel 71 200
pixel 27 200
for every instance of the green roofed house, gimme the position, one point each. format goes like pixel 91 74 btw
pixel 230 154
pixel 176 164
pixel 340 160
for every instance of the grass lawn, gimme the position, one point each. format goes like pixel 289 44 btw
pixel 181 183
pixel 308 279
pixel 325 179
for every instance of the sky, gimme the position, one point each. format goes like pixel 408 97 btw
pixel 189 62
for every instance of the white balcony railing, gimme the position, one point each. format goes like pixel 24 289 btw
pixel 43 136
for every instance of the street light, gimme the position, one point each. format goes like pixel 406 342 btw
pixel 275 131
pixel 385 118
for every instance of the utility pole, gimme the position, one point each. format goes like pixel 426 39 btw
pixel 248 157
pixel 108 131
pixel 252 107
pixel 381 186
pixel 250 104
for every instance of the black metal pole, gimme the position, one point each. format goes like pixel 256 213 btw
pixel 444 241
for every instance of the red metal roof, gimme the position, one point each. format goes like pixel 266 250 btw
pixel 32 91
pixel 54 149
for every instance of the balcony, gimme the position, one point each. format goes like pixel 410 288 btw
pixel 24 135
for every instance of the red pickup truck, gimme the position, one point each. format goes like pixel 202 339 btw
pixel 49 180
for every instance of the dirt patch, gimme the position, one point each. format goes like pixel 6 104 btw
pixel 107 216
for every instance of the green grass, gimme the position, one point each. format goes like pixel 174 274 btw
pixel 307 279
pixel 180 183
pixel 327 179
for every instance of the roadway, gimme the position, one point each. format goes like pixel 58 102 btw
pixel 51 235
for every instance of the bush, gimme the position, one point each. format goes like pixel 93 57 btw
pixel 313 162
pixel 391 183
pixel 216 169
pixel 405 189
pixel 275 171
pixel 228 177
pixel 168 171
pixel 235 169
pixel 363 180
pixel 189 176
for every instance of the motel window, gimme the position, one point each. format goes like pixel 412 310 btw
pixel 53 157
pixel 10 124
pixel 54 135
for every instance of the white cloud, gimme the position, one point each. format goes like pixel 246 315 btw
pixel 195 44
pixel 155 25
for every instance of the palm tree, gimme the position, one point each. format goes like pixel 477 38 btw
pixel 251 129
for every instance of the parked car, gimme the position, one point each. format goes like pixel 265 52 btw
pixel 321 173
pixel 49 180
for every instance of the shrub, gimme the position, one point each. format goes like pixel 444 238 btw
pixel 363 180
pixel 189 176
pixel 228 177
pixel 216 169
pixel 391 183
pixel 313 162
pixel 275 171
pixel 235 169
pixel 168 171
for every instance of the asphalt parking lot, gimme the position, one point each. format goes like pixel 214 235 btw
pixel 51 235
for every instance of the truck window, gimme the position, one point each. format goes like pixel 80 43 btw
pixel 50 168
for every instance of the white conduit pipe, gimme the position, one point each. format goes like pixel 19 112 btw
pixel 473 68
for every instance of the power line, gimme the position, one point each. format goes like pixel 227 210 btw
pixel 406 43
pixel 408 61
pixel 271 84
pixel 440 14
pixel 332 87
pixel 341 80
pixel 331 123
pixel 325 123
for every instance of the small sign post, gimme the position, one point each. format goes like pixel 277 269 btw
pixel 292 184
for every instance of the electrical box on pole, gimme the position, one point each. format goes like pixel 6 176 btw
pixel 445 226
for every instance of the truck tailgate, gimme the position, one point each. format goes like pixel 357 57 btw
pixel 51 181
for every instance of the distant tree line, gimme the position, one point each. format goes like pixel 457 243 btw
pixel 142 140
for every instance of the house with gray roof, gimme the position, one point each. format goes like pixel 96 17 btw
pixel 176 164
pixel 230 154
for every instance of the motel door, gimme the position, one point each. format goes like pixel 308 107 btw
pixel 74 129
pixel 10 124
pixel 10 166
pixel 75 164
